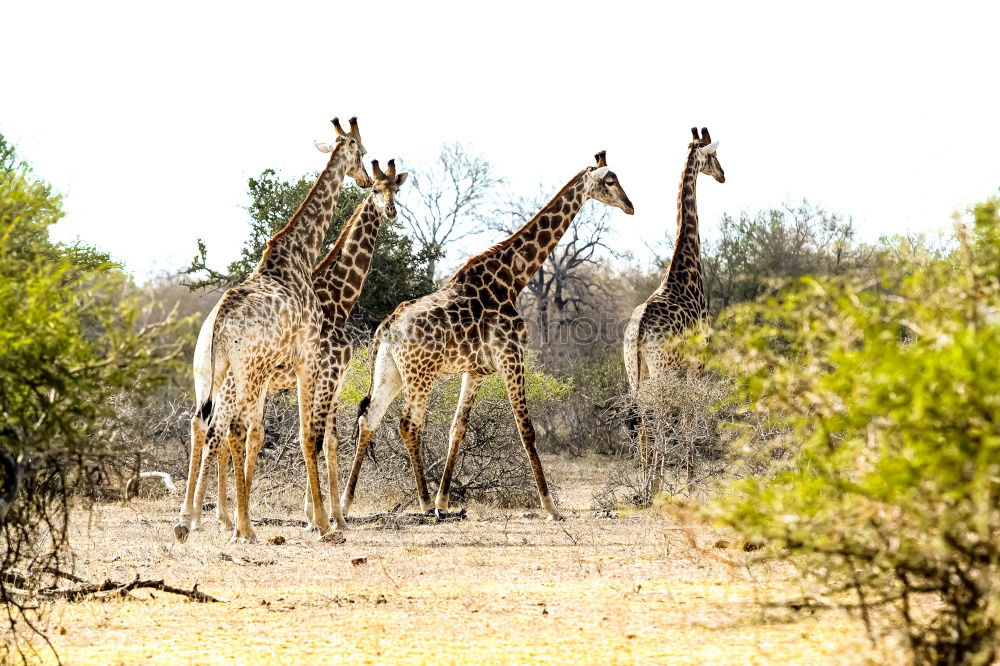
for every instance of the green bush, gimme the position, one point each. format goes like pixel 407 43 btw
pixel 73 340
pixel 892 394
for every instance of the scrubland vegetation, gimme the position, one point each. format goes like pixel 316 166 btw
pixel 825 487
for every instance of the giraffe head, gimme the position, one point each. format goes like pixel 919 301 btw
pixel 604 185
pixel 384 189
pixel 706 159
pixel 353 150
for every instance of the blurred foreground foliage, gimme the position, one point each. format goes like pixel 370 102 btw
pixel 888 391
pixel 74 340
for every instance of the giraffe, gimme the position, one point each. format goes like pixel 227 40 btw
pixel 472 326
pixel 679 302
pixel 338 281
pixel 271 318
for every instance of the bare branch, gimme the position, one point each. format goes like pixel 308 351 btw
pixel 447 197
pixel 82 592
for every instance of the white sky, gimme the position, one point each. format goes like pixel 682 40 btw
pixel 151 117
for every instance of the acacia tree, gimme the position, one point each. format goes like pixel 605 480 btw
pixel 398 271
pixel 447 199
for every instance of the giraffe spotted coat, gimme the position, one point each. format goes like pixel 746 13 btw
pixel 271 319
pixel 471 326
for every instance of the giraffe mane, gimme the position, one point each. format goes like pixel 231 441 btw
pixel 510 239
pixel 298 211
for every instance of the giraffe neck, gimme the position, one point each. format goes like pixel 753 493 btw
pixel 524 252
pixel 684 276
pixel 340 277
pixel 297 246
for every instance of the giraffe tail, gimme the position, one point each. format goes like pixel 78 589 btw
pixel 218 363
pixel 632 420
pixel 367 400
pixel 362 408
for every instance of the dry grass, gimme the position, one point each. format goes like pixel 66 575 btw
pixel 498 588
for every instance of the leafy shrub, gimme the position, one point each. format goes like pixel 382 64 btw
pixel 73 339
pixel 892 497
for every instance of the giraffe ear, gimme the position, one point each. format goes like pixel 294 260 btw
pixel 709 149
pixel 401 178
pixel 599 173
pixel 323 147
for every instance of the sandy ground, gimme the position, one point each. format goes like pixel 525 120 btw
pixel 497 588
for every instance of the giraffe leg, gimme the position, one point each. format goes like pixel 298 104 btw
pixel 305 372
pixel 511 367
pixel 255 436
pixel 470 386
pixel 199 430
pixel 386 387
pixel 241 398
pixel 409 431
pixel 647 456
pixel 650 461
pixel 222 504
pixel 217 449
pixel 237 437
pixel 331 443
pixel 320 412
pixel 214 445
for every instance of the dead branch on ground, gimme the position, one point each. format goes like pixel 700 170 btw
pixel 113 589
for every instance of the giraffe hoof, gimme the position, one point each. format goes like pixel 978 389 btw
pixel 249 537
pixel 555 516
pixel 181 533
